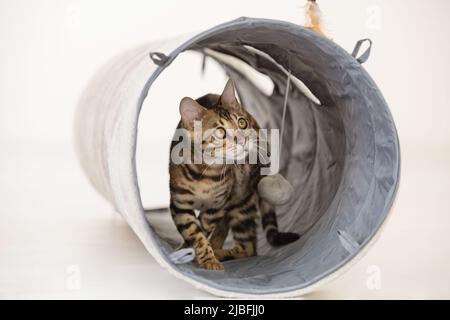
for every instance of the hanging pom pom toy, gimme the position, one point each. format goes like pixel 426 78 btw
pixel 276 189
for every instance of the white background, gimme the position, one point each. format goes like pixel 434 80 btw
pixel 59 239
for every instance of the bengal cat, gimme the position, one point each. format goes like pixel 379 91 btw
pixel 224 194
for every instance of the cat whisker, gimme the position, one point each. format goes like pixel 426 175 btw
pixel 223 173
pixel 206 169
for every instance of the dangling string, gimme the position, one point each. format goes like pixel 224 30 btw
pixel 203 69
pixel 283 119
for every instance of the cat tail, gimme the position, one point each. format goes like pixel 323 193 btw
pixel 270 226
pixel 314 17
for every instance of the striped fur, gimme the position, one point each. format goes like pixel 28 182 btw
pixel 225 195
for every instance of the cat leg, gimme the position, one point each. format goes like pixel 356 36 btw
pixel 219 235
pixel 189 227
pixel 242 222
pixel 215 225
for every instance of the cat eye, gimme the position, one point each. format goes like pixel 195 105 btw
pixel 220 133
pixel 242 123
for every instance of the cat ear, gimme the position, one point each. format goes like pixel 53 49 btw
pixel 228 97
pixel 190 111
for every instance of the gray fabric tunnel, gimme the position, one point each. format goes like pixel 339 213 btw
pixel 340 150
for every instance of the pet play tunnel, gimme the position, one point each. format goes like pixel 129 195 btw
pixel 340 150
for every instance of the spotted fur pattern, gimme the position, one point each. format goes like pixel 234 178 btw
pixel 225 195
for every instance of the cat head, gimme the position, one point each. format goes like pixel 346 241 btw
pixel 228 132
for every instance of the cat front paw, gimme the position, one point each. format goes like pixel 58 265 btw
pixel 213 265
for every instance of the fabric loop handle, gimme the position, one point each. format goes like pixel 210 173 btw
pixel 182 256
pixel 159 58
pixel 366 54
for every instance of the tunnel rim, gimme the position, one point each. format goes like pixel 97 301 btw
pixel 208 284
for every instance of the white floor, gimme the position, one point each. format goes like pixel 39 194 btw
pixel 59 239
